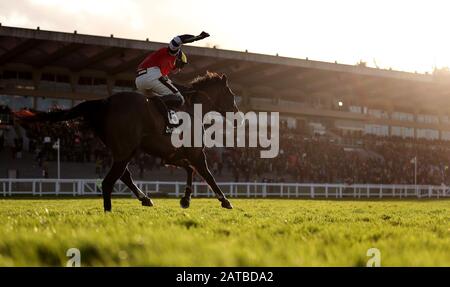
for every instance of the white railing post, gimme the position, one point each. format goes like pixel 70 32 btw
pixel 82 183
pixel 177 190
pixel 296 190
pixel 311 191
pixel 326 191
pixel 248 190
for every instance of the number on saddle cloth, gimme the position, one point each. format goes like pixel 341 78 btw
pixel 169 115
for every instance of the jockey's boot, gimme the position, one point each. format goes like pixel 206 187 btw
pixel 162 107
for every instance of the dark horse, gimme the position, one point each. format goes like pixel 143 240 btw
pixel 127 122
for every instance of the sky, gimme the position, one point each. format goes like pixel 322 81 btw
pixel 403 35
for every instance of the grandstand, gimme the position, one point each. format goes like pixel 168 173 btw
pixel 341 123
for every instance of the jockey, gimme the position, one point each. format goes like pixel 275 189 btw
pixel 152 72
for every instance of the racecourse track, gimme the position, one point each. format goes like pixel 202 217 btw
pixel 258 232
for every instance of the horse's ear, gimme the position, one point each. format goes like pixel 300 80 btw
pixel 224 78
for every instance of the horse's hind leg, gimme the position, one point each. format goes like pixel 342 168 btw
pixel 126 178
pixel 186 199
pixel 202 168
pixel 110 179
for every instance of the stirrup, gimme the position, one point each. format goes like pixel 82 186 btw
pixel 172 130
pixel 173 118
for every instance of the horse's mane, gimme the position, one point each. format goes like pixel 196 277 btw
pixel 208 78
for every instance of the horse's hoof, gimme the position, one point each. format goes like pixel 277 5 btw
pixel 226 204
pixel 185 202
pixel 107 207
pixel 146 201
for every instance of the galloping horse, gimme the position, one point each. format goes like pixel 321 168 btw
pixel 128 121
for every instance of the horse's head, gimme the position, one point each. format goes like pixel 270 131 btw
pixel 214 94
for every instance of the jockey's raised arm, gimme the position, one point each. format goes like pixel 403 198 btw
pixel 175 44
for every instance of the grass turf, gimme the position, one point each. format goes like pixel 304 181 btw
pixel 258 232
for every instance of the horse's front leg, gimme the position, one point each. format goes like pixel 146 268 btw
pixel 178 159
pixel 113 175
pixel 186 199
pixel 201 167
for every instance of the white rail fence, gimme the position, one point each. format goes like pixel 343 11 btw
pixel 86 187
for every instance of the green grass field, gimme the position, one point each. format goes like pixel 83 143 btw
pixel 38 232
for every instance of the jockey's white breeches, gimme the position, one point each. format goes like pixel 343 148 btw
pixel 153 80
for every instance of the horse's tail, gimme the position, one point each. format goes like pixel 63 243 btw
pixel 81 110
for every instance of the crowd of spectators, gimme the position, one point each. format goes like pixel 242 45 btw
pixel 303 157
pixel 5 113
pixel 400 156
pixel 321 159
pixel 76 143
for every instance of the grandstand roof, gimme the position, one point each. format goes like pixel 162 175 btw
pixel 114 60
